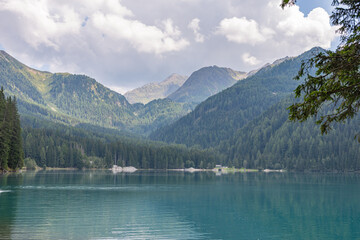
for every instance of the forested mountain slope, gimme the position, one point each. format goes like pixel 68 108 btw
pixel 85 99
pixel 272 141
pixel 221 115
pixel 156 114
pixel 153 91
pixel 206 82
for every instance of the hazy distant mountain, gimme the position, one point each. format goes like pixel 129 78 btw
pixel 154 91
pixel 206 82
pixel 76 99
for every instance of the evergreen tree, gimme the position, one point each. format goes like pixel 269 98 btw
pixel 4 147
pixel 337 79
pixel 11 152
pixel 15 159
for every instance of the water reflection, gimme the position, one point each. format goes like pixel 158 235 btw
pixel 276 206
pixel 85 205
pixel 8 202
pixel 179 205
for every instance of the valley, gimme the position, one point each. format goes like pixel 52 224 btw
pixel 241 118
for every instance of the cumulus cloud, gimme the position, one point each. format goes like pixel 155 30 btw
pixel 50 23
pixel 243 30
pixel 313 30
pixel 148 39
pixel 251 60
pixel 279 28
pixel 127 43
pixel 34 23
pixel 194 26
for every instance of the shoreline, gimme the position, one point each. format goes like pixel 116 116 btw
pixel 191 170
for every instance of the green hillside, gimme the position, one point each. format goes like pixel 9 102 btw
pixel 221 115
pixel 85 99
pixel 158 113
pixel 79 99
pixel 272 141
pixel 22 81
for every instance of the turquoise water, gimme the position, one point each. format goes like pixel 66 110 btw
pixel 176 205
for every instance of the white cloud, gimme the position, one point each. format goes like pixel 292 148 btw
pixel 251 60
pixel 36 24
pixel 313 30
pixel 280 29
pixel 50 23
pixel 148 39
pixel 194 26
pixel 242 30
pixel 127 43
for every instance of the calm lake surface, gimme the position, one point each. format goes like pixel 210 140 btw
pixel 176 205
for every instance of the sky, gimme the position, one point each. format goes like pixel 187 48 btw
pixel 125 44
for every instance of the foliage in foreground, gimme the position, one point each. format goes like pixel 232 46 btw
pixel 337 79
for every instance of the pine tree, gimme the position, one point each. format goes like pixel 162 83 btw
pixel 11 152
pixel 4 147
pixel 15 159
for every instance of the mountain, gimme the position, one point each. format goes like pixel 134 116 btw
pixel 248 125
pixel 206 82
pixel 62 96
pixel 79 99
pixel 153 91
pixel 220 116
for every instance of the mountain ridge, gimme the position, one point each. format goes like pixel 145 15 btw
pixel 78 99
pixel 155 90
pixel 206 82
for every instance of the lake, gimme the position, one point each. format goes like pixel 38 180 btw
pixel 178 205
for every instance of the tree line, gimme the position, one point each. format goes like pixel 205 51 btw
pixel 57 145
pixel 11 152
